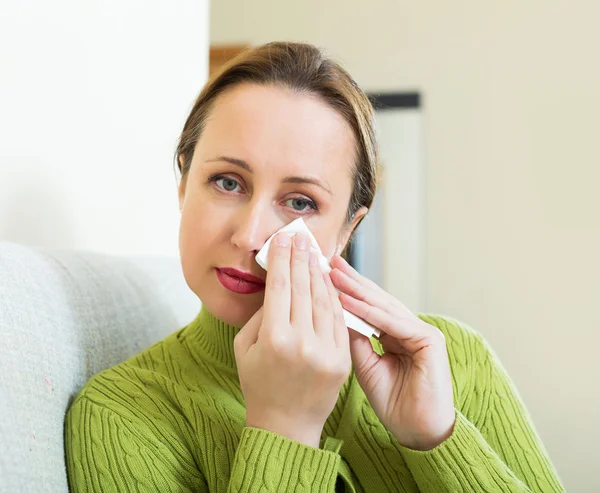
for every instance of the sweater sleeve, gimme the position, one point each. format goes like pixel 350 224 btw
pixel 107 454
pixel 494 446
pixel 265 461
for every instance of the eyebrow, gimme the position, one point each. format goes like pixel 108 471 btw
pixel 289 179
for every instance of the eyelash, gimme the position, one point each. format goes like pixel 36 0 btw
pixel 216 177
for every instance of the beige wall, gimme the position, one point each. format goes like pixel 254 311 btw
pixel 511 101
pixel 93 96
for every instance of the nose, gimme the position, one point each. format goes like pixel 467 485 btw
pixel 255 224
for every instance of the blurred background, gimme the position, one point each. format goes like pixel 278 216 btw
pixel 489 210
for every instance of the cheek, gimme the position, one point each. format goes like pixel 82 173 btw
pixel 327 242
pixel 201 219
pixel 190 252
pixel 328 249
pixel 328 229
pixel 198 231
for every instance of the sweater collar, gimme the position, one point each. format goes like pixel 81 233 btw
pixel 213 338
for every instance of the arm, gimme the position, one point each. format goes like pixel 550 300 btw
pixel 106 454
pixel 265 461
pixel 293 358
pixel 494 445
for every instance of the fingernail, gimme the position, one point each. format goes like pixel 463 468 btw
pixel 283 239
pixel 301 241
pixel 312 259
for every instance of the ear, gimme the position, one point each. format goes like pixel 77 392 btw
pixel 181 189
pixel 360 213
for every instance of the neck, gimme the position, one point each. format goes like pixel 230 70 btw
pixel 213 338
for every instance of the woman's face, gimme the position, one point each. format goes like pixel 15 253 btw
pixel 266 157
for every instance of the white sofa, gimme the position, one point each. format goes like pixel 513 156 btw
pixel 64 316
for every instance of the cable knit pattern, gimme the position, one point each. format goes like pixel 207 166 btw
pixel 172 419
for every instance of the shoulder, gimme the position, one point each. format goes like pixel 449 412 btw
pixel 462 340
pixel 130 413
pixel 469 356
pixel 467 348
pixel 134 388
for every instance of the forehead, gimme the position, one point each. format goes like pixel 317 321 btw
pixel 276 129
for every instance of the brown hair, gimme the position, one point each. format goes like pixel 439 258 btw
pixel 303 68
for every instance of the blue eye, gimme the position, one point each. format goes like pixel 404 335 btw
pixel 228 184
pixel 299 204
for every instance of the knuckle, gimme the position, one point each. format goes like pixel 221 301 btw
pixel 432 331
pixel 301 288
pixel 276 281
pixel 278 343
pixel 299 256
pixel 321 303
pixel 439 335
pixel 280 252
pixel 237 344
pixel 237 340
pixel 309 354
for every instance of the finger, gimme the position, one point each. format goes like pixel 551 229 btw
pixel 364 293
pixel 411 331
pixel 322 313
pixel 364 357
pixel 353 288
pixel 341 267
pixel 301 315
pixel 277 301
pixel 391 345
pixel 340 331
pixel 338 262
pixel 248 335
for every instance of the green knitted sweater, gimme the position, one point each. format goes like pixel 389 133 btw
pixel 172 419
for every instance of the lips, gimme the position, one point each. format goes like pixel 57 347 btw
pixel 242 275
pixel 239 282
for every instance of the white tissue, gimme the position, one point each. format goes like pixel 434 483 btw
pixel 296 226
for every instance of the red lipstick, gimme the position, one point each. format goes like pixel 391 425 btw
pixel 238 281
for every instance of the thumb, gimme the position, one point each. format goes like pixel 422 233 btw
pixel 248 335
pixel 364 357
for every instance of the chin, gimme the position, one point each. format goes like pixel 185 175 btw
pixel 233 309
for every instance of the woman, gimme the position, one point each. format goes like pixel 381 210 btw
pixel 266 389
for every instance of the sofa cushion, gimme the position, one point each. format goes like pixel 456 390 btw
pixel 65 316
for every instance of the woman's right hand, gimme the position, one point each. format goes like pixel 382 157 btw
pixel 293 355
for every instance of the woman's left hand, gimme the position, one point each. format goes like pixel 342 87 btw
pixel 410 386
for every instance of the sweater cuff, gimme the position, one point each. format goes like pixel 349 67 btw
pixel 460 463
pixel 271 462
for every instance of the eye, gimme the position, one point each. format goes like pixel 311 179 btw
pixel 299 204
pixel 225 183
